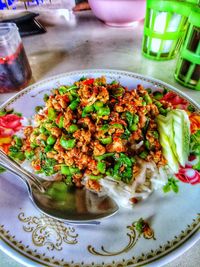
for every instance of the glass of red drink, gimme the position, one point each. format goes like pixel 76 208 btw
pixel 15 71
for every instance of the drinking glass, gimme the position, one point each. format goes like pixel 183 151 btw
pixel 15 71
pixel 188 65
pixel 164 28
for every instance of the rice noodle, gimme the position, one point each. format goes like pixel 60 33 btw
pixel 149 178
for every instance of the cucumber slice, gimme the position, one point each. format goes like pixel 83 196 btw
pixel 174 131
pixel 165 129
pixel 181 126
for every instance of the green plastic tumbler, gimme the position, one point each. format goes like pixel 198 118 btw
pixel 165 25
pixel 188 65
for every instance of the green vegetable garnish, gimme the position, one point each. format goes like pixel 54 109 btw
pixel 103 111
pixel 46 97
pixel 106 141
pixel 67 143
pixel 116 92
pixel 174 131
pixel 147 99
pixel 116 125
pixel 101 167
pixel 65 170
pixel 157 95
pixel 51 140
pixel 126 134
pixel 114 82
pixel 61 122
pixel 147 144
pixel 87 110
pixel 72 128
pixel 133 127
pixel 98 105
pixel 29 154
pixel 74 104
pixel 18 141
pixel 171 185
pixel 143 154
pixel 17 155
pixel 52 114
pixel 195 143
pixel 2 169
pixel 124 162
pixel 105 127
pixel 106 155
pixel 63 89
pixel 95 177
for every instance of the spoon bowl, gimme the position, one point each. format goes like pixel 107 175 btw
pixel 74 205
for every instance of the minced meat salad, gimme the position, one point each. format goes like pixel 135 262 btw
pixel 95 129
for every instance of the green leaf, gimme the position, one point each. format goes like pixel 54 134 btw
pixel 2 169
pixel 171 185
pixel 38 108
pixel 174 187
pixel 166 188
pixel 139 225
pixel 126 134
pixel 195 142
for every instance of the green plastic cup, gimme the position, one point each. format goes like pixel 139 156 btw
pixel 188 65
pixel 165 25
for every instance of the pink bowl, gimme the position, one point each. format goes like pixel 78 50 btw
pixel 119 13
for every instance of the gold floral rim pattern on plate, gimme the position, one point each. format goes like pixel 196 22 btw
pixel 35 256
pixel 137 230
pixel 43 227
pixel 48 232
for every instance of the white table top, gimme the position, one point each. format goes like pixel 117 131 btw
pixel 83 42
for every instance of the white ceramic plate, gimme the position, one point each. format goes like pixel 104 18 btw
pixel 33 239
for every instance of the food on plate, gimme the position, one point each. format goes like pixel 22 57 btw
pixel 112 140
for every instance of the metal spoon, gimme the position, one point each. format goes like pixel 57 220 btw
pixel 80 206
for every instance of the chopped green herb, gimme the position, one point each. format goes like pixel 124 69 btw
pixel 38 108
pixel 46 97
pixel 171 185
pixel 2 169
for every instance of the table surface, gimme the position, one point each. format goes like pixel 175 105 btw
pixel 75 42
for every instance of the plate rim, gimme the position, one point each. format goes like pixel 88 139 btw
pixel 171 255
pixel 111 71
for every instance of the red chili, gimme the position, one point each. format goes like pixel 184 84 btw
pixel 88 82
pixel 65 98
pixel 58 118
pixel 37 167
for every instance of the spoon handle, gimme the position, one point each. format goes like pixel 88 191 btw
pixel 15 168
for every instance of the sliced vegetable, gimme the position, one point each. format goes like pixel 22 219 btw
pixel 158 95
pixel 165 129
pixel 171 185
pixel 98 105
pixel 87 110
pixel 2 169
pixel 67 143
pixel 103 111
pixel 101 167
pixel 61 122
pixel 51 140
pixel 143 154
pixel 147 99
pixel 74 104
pixel 106 141
pixel 72 128
pixel 52 114
pixel 181 127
